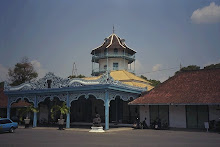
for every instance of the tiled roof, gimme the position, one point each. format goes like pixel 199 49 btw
pixel 126 78
pixel 92 78
pixel 4 101
pixel 142 85
pixel 192 87
pixel 130 79
pixel 114 41
pixel 125 75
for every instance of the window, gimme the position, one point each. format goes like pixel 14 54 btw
pixel 115 51
pixel 5 121
pixel 2 122
pixel 115 66
pixel 49 83
pixel 105 52
pixel 105 67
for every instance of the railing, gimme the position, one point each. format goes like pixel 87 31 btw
pixel 102 56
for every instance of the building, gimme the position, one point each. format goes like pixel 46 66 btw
pixel 14 106
pixel 113 54
pixel 106 93
pixel 186 100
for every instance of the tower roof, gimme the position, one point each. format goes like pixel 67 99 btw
pixel 113 41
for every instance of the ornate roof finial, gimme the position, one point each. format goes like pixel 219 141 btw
pixel 113 29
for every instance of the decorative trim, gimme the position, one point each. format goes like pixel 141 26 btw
pixel 123 96
pixel 61 97
pixel 13 99
pixel 57 82
pixel 76 96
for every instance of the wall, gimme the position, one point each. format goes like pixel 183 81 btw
pixel 177 116
pixel 144 112
pixel 120 62
pixel 214 113
pixel 3 112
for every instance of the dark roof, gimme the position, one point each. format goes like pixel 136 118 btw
pixel 4 101
pixel 113 41
pixel 185 88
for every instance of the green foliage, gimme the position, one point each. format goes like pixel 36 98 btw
pixel 63 109
pixel 79 76
pixel 212 66
pixel 188 68
pixel 153 82
pixel 22 72
pixel 1 84
pixel 25 111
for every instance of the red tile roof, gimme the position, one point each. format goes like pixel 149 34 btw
pixel 4 101
pixel 192 87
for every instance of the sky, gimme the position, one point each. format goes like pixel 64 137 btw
pixel 54 34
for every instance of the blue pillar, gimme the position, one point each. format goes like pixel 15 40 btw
pixel 35 113
pixel 106 110
pixel 68 115
pixel 8 109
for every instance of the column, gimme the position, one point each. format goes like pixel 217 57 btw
pixel 8 108
pixel 107 61
pixel 35 113
pixel 106 110
pixel 68 115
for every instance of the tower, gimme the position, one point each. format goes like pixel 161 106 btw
pixel 113 54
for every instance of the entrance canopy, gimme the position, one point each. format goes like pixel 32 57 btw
pixel 68 90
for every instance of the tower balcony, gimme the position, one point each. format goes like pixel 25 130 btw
pixel 97 57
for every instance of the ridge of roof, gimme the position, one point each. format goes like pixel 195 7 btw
pixel 190 87
pixel 112 37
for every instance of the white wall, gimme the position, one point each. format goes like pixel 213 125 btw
pixel 120 62
pixel 144 112
pixel 177 116
pixel 214 113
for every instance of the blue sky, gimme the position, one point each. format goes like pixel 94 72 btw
pixel 56 33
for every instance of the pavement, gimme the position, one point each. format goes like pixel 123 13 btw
pixel 123 136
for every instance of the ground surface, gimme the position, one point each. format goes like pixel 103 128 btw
pixel 114 137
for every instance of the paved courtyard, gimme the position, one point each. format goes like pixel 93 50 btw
pixel 114 137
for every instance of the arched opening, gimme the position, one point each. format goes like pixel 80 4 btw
pixel 84 110
pixel 121 112
pixel 17 107
pixel 44 115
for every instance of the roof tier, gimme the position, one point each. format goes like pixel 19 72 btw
pixel 113 41
pixel 126 78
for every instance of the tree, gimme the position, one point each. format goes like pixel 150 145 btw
pixel 188 68
pixel 153 82
pixel 79 76
pixel 1 84
pixel 25 111
pixel 63 109
pixel 22 72
pixel 212 66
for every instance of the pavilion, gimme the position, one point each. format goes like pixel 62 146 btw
pixel 108 92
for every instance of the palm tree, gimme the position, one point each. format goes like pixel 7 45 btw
pixel 25 111
pixel 63 109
